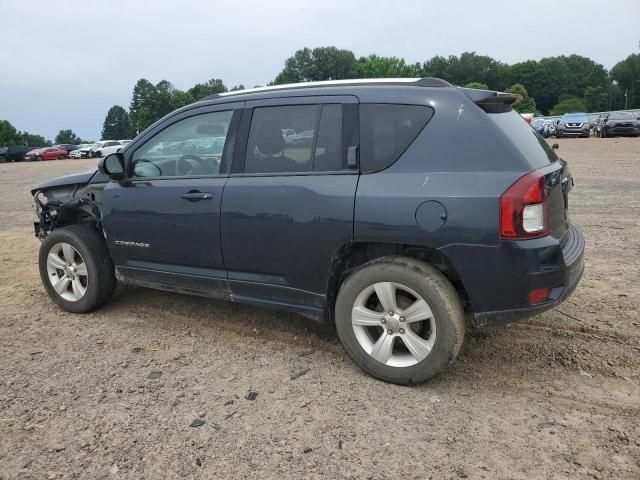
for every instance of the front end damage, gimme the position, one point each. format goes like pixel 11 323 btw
pixel 66 205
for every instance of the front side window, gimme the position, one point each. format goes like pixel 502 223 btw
pixel 295 138
pixel 190 147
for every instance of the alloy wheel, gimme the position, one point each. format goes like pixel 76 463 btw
pixel 393 324
pixel 67 272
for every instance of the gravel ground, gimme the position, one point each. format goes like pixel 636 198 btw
pixel 120 393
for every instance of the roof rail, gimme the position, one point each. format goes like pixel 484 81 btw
pixel 412 82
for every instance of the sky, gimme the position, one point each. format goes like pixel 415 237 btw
pixel 64 63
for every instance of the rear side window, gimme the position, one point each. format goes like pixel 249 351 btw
pixel 295 138
pixel 533 147
pixel 386 130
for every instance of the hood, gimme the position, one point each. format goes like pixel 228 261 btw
pixel 79 178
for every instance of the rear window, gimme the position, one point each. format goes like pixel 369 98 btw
pixel 533 147
pixel 386 130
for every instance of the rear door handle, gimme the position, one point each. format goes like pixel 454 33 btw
pixel 197 196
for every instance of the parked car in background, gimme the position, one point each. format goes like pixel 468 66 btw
pixel 597 126
pixel 49 153
pixel 82 151
pixel 549 127
pixel 66 146
pixel 618 124
pixel 13 153
pixel 538 126
pixel 353 228
pixel 573 125
pixel 103 147
pixel 124 142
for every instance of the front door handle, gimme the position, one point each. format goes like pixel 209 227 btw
pixel 197 196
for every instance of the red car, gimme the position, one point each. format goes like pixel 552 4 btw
pixel 46 154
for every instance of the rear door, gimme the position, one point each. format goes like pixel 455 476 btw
pixel 163 222
pixel 288 204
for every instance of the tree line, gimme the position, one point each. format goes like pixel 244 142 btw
pixel 550 86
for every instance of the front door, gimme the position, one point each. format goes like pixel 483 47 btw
pixel 288 204
pixel 163 222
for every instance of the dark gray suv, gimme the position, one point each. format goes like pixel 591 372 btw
pixel 397 209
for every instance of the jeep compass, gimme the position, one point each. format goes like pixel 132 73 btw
pixel 400 210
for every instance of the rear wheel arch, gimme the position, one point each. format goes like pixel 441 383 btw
pixel 353 255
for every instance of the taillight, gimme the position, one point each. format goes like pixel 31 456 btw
pixel 523 208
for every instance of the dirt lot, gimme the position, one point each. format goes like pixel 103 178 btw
pixel 113 394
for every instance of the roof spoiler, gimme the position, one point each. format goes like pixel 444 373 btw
pixel 490 101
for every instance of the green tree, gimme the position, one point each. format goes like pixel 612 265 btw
pixel 569 105
pixel 323 63
pixel 478 85
pixel 238 87
pixel 210 87
pixel 528 104
pixel 141 110
pixel 596 99
pixel 8 133
pixel 375 66
pixel 469 67
pixel 554 78
pixel 67 136
pixel 150 103
pixel 627 75
pixel 117 125
pixel 32 140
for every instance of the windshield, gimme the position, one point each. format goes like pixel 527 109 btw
pixel 622 116
pixel 574 117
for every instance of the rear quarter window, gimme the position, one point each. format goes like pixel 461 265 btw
pixel 386 130
pixel 533 147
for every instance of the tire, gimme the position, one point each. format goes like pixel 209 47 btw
pixel 3 159
pixel 38 158
pixel 603 133
pixel 98 154
pixel 410 280
pixel 88 249
pixel 61 157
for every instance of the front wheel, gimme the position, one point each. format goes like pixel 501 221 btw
pixel 400 320
pixel 76 269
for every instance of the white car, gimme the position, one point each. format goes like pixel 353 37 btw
pixel 81 152
pixel 105 147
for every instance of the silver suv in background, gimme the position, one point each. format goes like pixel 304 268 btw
pixel 573 125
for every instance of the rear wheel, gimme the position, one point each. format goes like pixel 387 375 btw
pixel 60 157
pixel 400 320
pixel 76 269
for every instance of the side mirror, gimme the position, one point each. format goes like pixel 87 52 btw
pixel 113 166
pixel 555 146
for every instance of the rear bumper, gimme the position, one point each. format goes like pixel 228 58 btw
pixel 498 281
